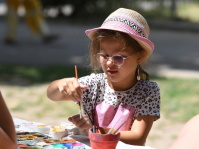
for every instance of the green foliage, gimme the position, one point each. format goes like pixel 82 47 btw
pixel 31 74
pixel 188 11
pixel 158 13
pixel 156 9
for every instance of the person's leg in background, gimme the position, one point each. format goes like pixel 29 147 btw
pixel 189 135
pixel 36 21
pixel 12 20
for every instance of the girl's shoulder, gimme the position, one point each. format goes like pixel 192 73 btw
pixel 148 84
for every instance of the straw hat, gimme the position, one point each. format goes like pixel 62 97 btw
pixel 130 22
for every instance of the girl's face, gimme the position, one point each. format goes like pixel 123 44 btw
pixel 119 77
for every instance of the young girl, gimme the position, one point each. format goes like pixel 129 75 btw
pixel 123 96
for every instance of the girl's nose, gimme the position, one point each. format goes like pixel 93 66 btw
pixel 110 61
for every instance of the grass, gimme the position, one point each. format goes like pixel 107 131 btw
pixel 179 97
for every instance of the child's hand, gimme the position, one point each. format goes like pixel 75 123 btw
pixel 83 123
pixel 72 88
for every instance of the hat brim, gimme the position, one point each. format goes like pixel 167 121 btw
pixel 144 42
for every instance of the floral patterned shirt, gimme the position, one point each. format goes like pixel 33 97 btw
pixel 118 109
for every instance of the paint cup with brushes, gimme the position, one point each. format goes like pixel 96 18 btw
pixel 102 140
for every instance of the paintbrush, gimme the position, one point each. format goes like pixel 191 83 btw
pixel 76 75
pixel 90 119
pixel 93 108
pixel 119 127
pixel 124 113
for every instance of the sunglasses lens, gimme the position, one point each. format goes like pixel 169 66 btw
pixel 118 60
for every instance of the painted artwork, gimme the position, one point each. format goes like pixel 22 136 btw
pixel 35 140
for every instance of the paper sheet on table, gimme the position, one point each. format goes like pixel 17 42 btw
pixel 23 125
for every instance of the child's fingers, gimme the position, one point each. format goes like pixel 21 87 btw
pixel 73 91
pixel 75 119
pixel 82 86
pixel 82 123
pixel 77 89
pixel 61 87
pixel 67 88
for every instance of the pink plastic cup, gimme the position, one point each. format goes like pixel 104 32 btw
pixel 103 141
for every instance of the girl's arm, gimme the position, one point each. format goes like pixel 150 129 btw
pixel 139 131
pixel 54 91
pixel 65 89
pixel 7 129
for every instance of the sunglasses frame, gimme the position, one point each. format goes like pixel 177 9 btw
pixel 111 57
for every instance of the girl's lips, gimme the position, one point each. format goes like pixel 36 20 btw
pixel 111 71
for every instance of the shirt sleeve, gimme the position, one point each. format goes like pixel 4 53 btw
pixel 150 104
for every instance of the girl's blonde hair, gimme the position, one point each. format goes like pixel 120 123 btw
pixel 128 41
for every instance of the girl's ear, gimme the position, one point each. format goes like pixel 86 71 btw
pixel 140 60
pixel 141 57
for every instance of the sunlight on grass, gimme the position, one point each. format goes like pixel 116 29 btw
pixel 35 99
pixel 188 11
pixel 179 98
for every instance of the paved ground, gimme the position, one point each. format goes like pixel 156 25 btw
pixel 176 47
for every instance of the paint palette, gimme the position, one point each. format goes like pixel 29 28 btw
pixel 35 140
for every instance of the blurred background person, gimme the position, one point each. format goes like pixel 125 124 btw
pixel 7 129
pixel 33 16
pixel 188 137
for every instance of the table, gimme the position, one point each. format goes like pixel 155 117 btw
pixel 27 126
